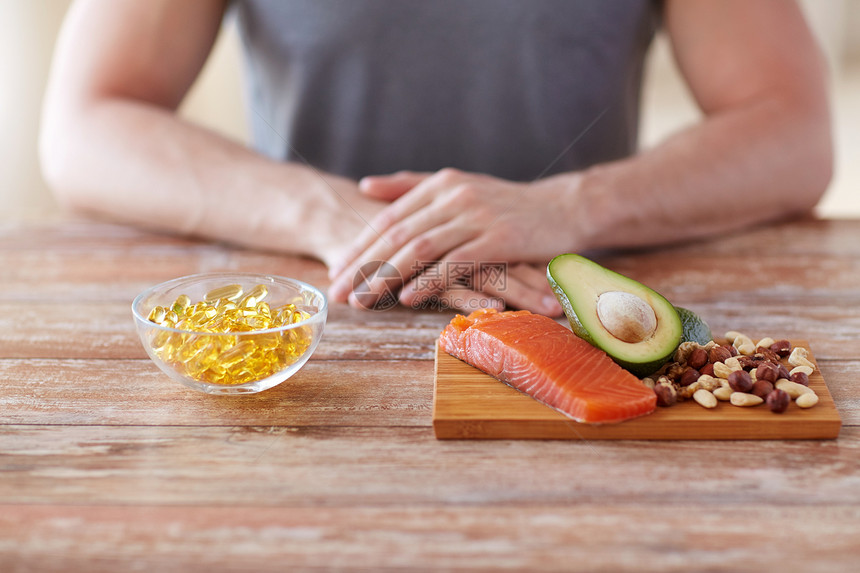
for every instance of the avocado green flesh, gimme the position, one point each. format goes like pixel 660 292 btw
pixel 578 282
pixel 694 328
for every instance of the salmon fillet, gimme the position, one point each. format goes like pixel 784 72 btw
pixel 538 356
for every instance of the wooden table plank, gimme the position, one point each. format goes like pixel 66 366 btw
pixel 380 467
pixel 591 537
pixel 135 392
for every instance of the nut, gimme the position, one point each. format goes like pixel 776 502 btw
pixel 806 400
pixel 687 391
pixel 778 401
pixel 762 388
pixel 723 393
pixel 767 371
pixel 742 340
pixel 766 355
pixel 707 370
pixel 800 357
pixel 697 358
pixel 682 353
pixel 781 347
pixel 800 378
pixel 747 349
pixel 783 372
pixel 805 369
pixel 744 400
pixel 666 395
pixel 708 382
pixel 705 398
pixel 719 354
pixel 721 370
pixel 732 334
pixel 733 363
pixel 649 382
pixel 689 376
pixel 793 389
pixel 765 342
pixel 740 381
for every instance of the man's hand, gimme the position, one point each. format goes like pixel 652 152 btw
pixel 456 220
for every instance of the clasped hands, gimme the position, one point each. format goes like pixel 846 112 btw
pixel 464 240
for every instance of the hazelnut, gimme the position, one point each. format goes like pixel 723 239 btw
pixel 778 401
pixel 783 372
pixel 707 369
pixel 781 348
pixel 740 381
pixel 665 395
pixel 689 376
pixel 767 371
pixel 762 388
pixel 800 378
pixel 698 358
pixel 719 354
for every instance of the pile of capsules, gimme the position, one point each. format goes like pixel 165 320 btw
pixel 216 346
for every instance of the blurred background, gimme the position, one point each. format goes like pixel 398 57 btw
pixel 28 29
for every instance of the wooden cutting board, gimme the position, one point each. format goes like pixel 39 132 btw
pixel 468 404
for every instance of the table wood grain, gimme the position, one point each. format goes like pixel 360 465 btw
pixel 107 465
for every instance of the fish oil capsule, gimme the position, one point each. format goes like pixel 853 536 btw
pixel 263 309
pixel 182 302
pixel 157 314
pixel 259 292
pixel 230 292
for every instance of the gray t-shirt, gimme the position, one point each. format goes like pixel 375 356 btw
pixel 513 88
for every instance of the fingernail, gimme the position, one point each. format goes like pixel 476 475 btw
pixel 551 303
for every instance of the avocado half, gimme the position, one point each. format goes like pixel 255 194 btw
pixel 632 323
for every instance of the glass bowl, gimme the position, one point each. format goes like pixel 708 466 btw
pixel 218 340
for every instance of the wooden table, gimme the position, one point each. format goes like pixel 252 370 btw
pixel 107 465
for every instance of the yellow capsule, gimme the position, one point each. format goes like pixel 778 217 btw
pixel 298 316
pixel 230 292
pixel 182 302
pixel 259 292
pixel 263 309
pixel 237 353
pixel 157 314
pixel 259 323
pixel 161 338
pixel 249 301
pixel 224 305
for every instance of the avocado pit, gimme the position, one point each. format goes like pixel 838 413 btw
pixel 626 316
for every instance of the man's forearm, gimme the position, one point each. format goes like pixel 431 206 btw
pixel 141 164
pixel 734 169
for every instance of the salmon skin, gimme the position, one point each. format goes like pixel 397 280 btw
pixel 538 356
